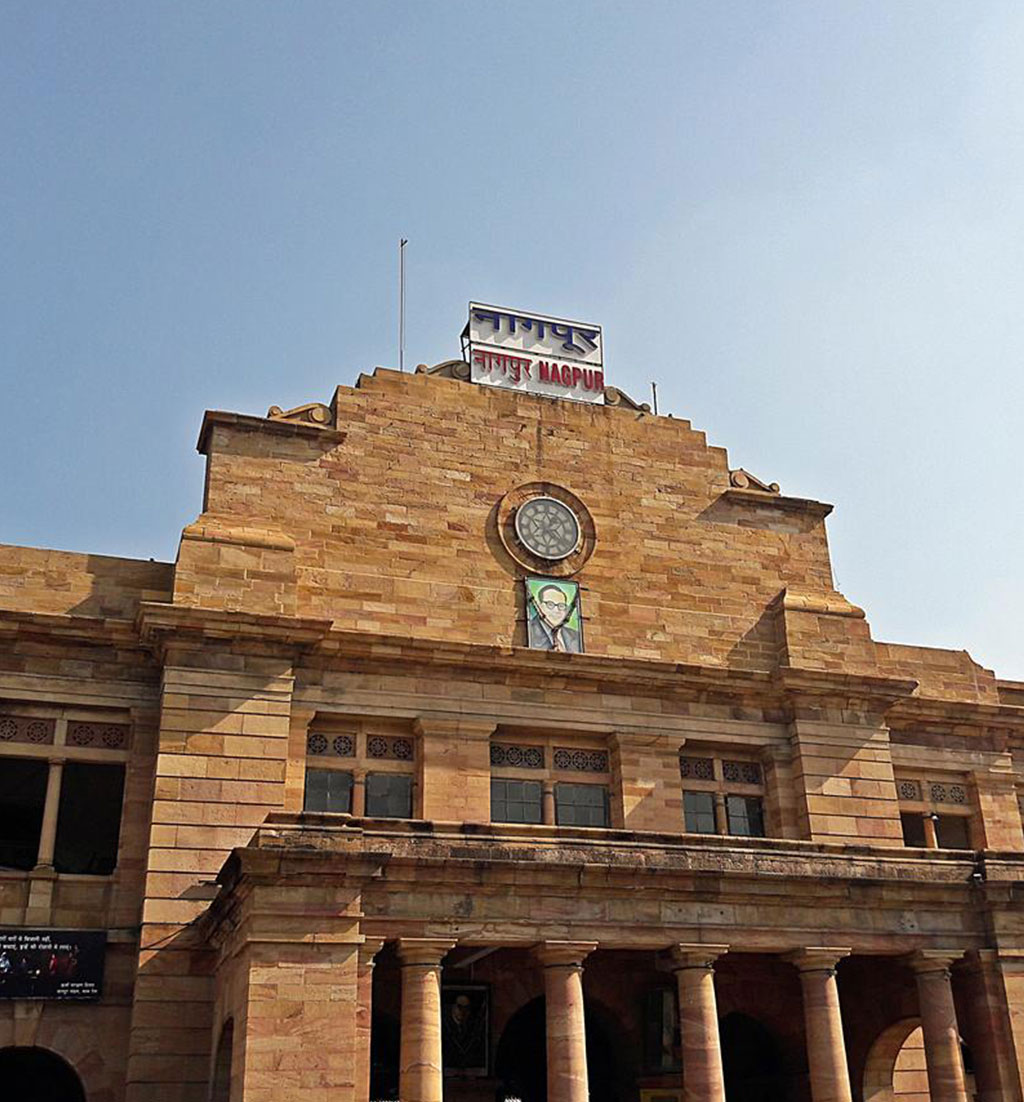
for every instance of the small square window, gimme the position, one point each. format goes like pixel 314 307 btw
pixel 516 801
pixel 913 829
pixel 581 805
pixel 745 816
pixel 699 812
pixel 389 795
pixel 328 790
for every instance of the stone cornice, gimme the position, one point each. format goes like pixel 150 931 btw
pixel 264 424
pixel 158 624
pixel 312 845
pixel 94 630
pixel 777 502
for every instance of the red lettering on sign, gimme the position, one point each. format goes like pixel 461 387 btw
pixel 542 367
pixel 577 374
pixel 566 375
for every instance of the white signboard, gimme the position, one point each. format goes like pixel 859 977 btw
pixel 535 353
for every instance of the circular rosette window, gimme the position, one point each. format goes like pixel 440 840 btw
pixel 546 529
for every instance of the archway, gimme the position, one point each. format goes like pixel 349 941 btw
pixel 895 1069
pixel 520 1065
pixel 38 1075
pixel 750 1060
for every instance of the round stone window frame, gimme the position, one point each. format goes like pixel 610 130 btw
pixel 521 554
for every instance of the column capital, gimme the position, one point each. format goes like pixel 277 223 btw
pixel 464 727
pixel 369 949
pixel 924 961
pixel 423 951
pixel 816 958
pixel 563 954
pixel 694 955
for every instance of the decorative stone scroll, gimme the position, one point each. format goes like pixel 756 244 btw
pixel 106 736
pixel 698 769
pixel 517 757
pixel 741 772
pixel 581 761
pixel 396 749
pixel 342 746
pixel 37 732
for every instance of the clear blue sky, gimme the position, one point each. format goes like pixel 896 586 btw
pixel 803 219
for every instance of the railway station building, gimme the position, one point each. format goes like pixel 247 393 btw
pixel 483 744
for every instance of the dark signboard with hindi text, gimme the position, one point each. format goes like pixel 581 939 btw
pixel 534 352
pixel 51 964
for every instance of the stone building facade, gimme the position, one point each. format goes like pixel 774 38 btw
pixel 372 845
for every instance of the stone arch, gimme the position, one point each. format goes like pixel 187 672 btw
pixel 895 1069
pixel 78 1048
pixel 31 1071
pixel 522 1073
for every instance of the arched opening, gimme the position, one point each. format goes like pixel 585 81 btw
pixel 750 1060
pixel 520 1065
pixel 895 1069
pixel 384 1055
pixel 220 1091
pixel 39 1075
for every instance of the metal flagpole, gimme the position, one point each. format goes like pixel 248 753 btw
pixel 401 303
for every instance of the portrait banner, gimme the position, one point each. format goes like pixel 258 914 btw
pixel 465 1028
pixel 553 619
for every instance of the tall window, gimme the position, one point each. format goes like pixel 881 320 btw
pixel 360 768
pixel 722 796
pixel 61 792
pixel 935 812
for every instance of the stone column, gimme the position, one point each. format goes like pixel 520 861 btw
pixel 420 1071
pixel 988 1028
pixel 364 1015
pixel 946 1081
pixel 931 837
pixel 548 803
pixel 359 793
pixel 703 1080
pixel 566 1033
pixel 823 1024
pixel 48 832
pixel 721 814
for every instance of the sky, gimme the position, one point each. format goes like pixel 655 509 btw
pixel 802 220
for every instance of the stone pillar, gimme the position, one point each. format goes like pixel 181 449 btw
pixel 931 837
pixel 420 1070
pixel 721 814
pixel 946 1081
pixel 48 833
pixel 364 1015
pixel 566 1033
pixel 703 1080
pixel 359 793
pixel 548 803
pixel 987 1028
pixel 826 1049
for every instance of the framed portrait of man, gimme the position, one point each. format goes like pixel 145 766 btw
pixel 465 1028
pixel 553 620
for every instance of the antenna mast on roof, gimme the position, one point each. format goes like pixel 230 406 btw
pixel 401 303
